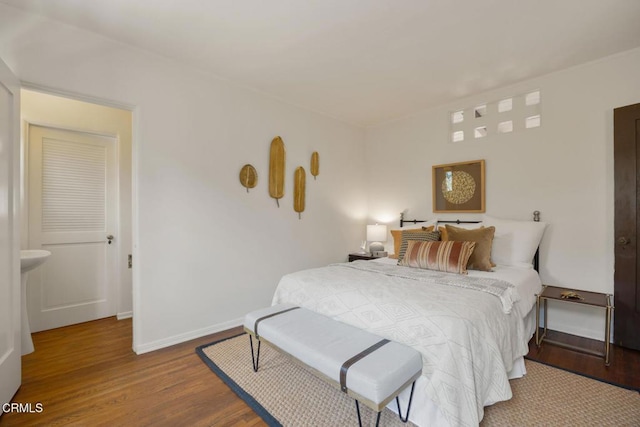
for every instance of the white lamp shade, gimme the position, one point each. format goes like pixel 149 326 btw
pixel 377 233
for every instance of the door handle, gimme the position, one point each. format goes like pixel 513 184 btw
pixel 624 240
pixel 110 238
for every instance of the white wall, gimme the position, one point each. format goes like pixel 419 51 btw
pixel 44 109
pixel 205 251
pixel 564 169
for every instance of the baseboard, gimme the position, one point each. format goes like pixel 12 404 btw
pixel 177 339
pixel 581 332
pixel 124 315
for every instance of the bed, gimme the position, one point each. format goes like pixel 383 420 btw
pixel 472 330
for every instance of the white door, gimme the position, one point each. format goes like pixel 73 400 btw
pixel 72 214
pixel 10 343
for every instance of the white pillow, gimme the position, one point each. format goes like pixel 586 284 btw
pixel 514 242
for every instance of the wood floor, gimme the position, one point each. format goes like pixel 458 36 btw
pixel 624 366
pixel 88 375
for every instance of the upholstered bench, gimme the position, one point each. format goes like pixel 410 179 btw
pixel 368 368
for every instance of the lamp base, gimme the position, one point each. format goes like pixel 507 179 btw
pixel 376 247
pixel 379 254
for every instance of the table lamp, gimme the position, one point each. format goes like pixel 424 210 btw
pixel 377 234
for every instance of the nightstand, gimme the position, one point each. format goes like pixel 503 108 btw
pixel 365 256
pixel 594 299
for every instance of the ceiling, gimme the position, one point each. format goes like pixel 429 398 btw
pixel 363 61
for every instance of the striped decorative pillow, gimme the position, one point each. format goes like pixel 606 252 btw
pixel 449 256
pixel 397 237
pixel 419 235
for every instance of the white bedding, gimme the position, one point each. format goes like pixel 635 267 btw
pixel 467 342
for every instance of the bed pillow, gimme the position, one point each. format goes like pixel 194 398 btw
pixel 515 242
pixel 450 257
pixel 419 235
pixel 443 230
pixel 397 236
pixel 483 237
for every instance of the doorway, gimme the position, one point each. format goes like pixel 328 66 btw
pixel 76 186
pixel 72 214
pixel 626 124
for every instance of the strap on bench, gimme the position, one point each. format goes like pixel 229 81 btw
pixel 346 365
pixel 260 319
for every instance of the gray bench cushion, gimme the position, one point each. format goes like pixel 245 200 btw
pixel 325 344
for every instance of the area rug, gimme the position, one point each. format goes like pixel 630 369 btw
pixel 284 393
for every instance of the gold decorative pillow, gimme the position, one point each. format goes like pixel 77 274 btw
pixel 443 231
pixel 483 237
pixel 397 238
pixel 450 257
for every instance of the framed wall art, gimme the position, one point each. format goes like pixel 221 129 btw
pixel 458 187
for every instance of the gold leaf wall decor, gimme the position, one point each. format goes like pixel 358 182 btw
pixel 248 177
pixel 315 164
pixel 299 184
pixel 276 169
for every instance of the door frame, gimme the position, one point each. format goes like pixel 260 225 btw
pixel 116 285
pixel 135 120
pixel 11 371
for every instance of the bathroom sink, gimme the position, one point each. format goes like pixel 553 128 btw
pixel 31 258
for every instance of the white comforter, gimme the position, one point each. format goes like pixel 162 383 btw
pixel 468 343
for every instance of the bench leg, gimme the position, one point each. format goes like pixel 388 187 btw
pixel 360 419
pixel 406 418
pixel 254 360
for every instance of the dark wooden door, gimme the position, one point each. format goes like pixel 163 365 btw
pixel 626 124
